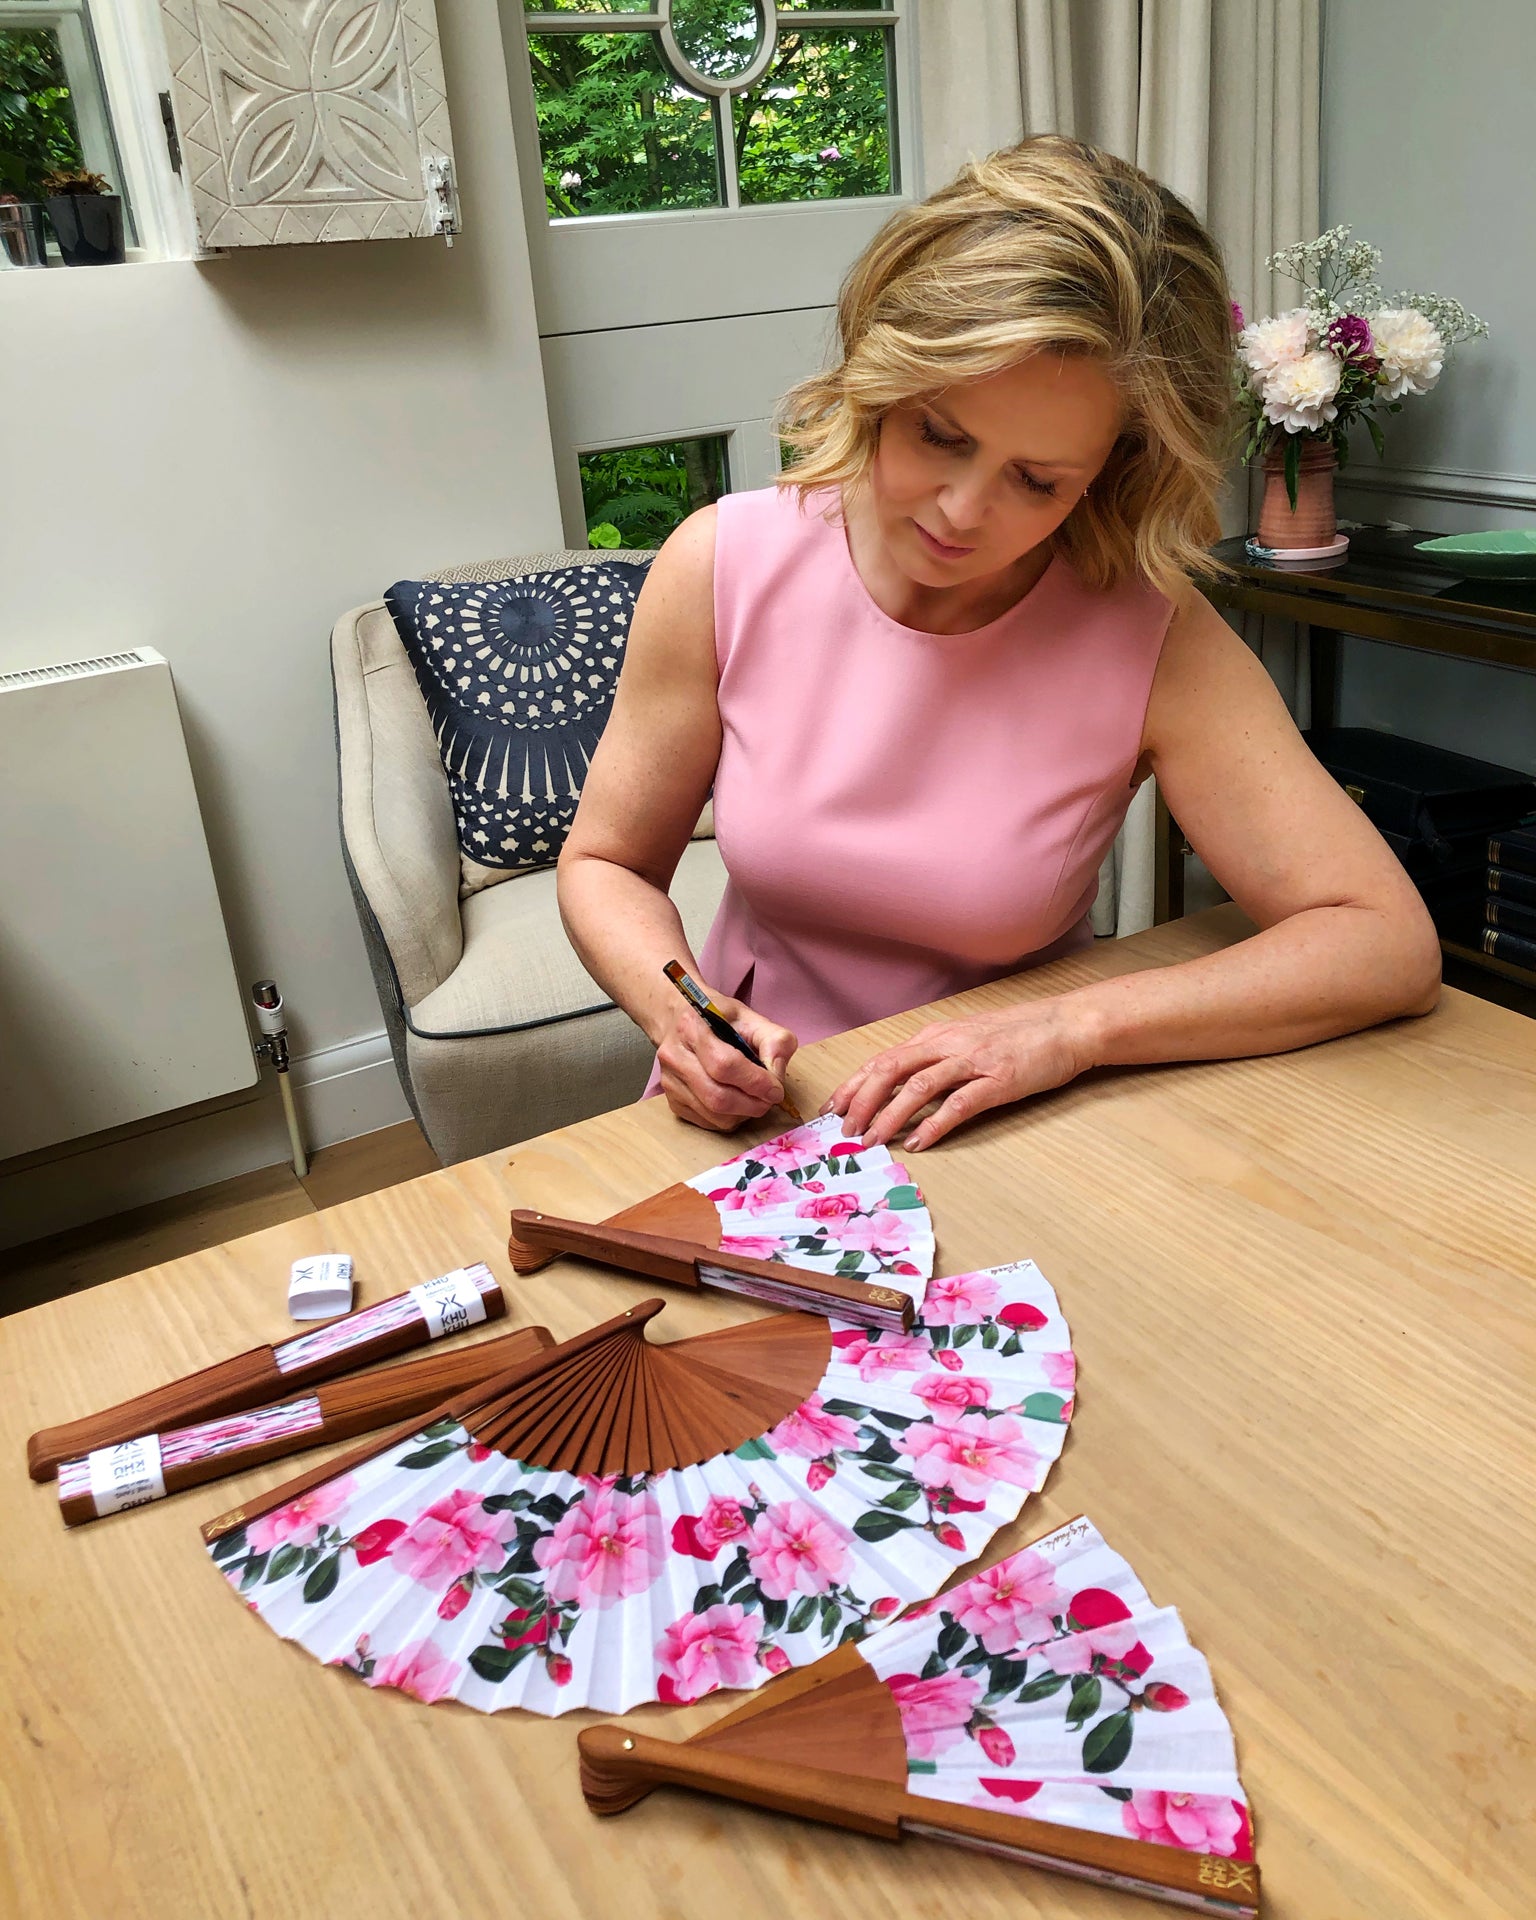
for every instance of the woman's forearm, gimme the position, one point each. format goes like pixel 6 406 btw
pixel 1317 974
pixel 625 929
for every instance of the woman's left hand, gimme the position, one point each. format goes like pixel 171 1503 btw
pixel 967 1066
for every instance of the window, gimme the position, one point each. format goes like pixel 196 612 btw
pixel 650 108
pixel 53 110
pixel 635 496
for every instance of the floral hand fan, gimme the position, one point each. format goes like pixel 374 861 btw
pixel 618 1521
pixel 847 1214
pixel 1042 1711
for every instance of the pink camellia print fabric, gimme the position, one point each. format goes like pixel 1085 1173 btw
pixel 450 1571
pixel 812 1199
pixel 906 814
pixel 1050 1685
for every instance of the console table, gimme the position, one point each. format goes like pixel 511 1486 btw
pixel 1382 590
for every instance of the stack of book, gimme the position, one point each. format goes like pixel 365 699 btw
pixel 1509 907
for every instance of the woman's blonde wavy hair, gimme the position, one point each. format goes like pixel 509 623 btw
pixel 1047 244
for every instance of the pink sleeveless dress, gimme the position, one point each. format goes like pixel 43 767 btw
pixel 904 814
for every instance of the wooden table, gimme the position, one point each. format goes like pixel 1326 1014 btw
pixel 1301 1295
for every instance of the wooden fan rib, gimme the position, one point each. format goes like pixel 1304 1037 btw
pixel 606 1444
pixel 464 1408
pixel 623 1405
pixel 557 1431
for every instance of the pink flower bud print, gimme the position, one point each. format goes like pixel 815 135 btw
pixel 949 1535
pixel 883 1608
pixel 818 1473
pixel 996 1745
pixel 559 1669
pixel 1022 1317
pixel 774 1659
pixel 454 1601
pixel 1162 1698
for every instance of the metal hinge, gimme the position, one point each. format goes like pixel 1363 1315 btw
pixel 172 143
pixel 442 194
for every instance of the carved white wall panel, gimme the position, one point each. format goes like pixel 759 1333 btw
pixel 306 120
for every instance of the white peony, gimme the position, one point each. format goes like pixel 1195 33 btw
pixel 1269 344
pixel 1411 350
pixel 1299 395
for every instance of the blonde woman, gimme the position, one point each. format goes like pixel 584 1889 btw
pixel 925 674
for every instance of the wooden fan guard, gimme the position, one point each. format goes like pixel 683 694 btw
pixel 826 1744
pixel 676 1213
pixel 612 1402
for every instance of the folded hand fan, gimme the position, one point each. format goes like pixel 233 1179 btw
pixel 618 1521
pixel 446 1305
pixel 846 1214
pixel 1042 1711
pixel 134 1472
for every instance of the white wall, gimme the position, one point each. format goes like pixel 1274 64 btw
pixel 217 460
pixel 1429 151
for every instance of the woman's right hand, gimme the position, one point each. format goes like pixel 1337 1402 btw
pixel 709 1083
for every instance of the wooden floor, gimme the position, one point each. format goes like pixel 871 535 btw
pixel 107 1249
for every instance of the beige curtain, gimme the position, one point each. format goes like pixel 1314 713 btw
pixel 1217 98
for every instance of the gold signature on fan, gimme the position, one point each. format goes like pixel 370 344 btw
pixel 886 1297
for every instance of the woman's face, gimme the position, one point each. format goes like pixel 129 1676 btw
pixel 966 484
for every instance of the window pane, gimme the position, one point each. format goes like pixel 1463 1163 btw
pixel 618 134
pixel 589 6
pixel 815 127
pixel 635 496
pixel 834 6
pixel 718 37
pixel 37 117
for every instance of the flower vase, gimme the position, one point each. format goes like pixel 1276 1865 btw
pixel 1310 525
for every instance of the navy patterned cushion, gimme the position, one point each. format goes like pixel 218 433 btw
pixel 518 676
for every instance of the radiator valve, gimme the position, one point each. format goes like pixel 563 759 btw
pixel 273 1046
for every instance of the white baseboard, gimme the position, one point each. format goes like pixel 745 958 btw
pixel 347 1090
pixel 342 1091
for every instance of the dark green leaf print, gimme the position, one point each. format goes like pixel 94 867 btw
pixel 1087 1692
pixel 283 1562
pixel 1108 1745
pixel 880 1524
pixel 322 1581
pixel 1042 1686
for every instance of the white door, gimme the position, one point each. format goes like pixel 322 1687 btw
pixel 700 175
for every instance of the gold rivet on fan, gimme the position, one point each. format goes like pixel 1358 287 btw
pixel 629 1746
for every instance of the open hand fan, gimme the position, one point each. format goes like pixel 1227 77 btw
pixel 1043 1710
pixel 618 1521
pixel 845 1213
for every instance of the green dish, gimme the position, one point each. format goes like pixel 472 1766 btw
pixel 1488 556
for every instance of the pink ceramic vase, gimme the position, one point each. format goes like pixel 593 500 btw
pixel 1311 522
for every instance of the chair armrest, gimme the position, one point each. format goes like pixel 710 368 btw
pixel 397 823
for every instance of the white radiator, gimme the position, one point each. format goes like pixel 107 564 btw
pixel 118 996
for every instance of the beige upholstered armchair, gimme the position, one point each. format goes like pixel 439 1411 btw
pixel 498 1031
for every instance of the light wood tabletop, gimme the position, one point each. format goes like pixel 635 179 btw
pixel 1301 1295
